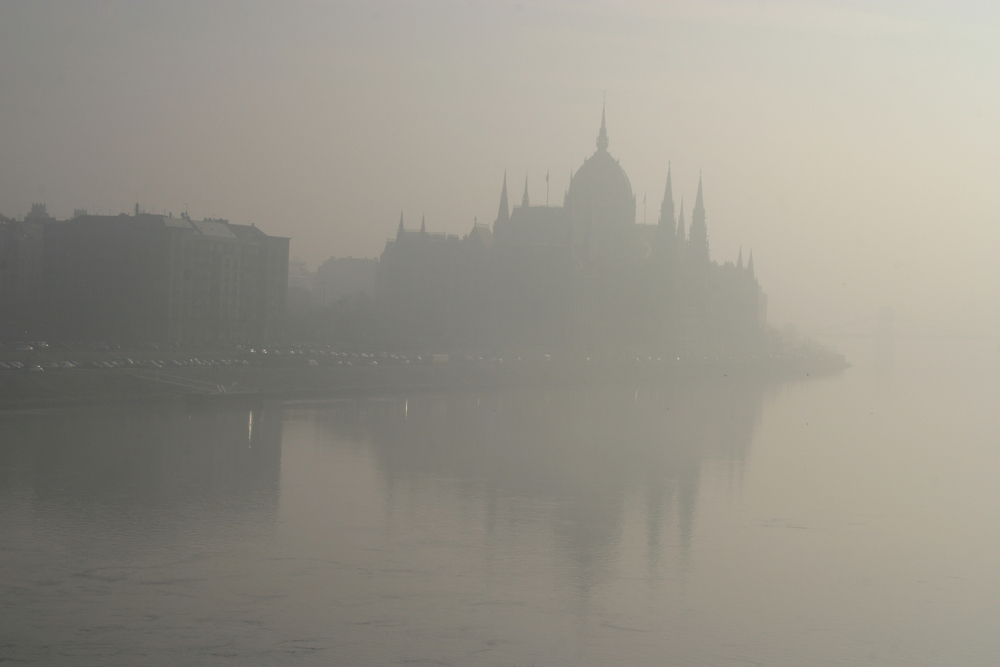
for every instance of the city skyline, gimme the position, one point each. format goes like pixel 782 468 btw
pixel 848 144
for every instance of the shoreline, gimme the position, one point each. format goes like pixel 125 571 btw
pixel 257 383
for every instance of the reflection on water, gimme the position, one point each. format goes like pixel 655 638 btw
pixel 712 522
pixel 588 449
pixel 117 525
pixel 150 457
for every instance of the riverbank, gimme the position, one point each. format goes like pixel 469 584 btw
pixel 254 382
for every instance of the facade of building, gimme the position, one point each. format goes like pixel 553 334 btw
pixel 20 272
pixel 583 274
pixel 155 278
pixel 428 286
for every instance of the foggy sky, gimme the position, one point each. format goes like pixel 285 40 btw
pixel 853 146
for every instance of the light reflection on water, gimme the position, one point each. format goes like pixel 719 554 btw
pixel 717 522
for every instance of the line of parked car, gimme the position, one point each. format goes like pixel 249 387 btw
pixel 116 363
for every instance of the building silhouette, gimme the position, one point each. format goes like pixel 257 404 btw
pixel 156 278
pixel 20 271
pixel 583 274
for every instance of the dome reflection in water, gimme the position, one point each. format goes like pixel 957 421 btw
pixel 713 521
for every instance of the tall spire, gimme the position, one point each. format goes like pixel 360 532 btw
pixel 423 224
pixel 503 215
pixel 680 222
pixel 699 205
pixel 750 266
pixel 698 235
pixel 666 223
pixel 399 232
pixel 602 136
pixel 739 260
pixel 524 199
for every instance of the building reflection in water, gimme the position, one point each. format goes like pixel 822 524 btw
pixel 124 530
pixel 225 460
pixel 582 453
pixel 361 524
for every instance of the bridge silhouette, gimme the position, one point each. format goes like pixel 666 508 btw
pixel 886 327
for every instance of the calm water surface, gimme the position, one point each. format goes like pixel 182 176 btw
pixel 850 520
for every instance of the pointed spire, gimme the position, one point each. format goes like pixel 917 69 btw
pixel 739 260
pixel 666 223
pixel 750 265
pixel 423 224
pixel 699 203
pixel 399 232
pixel 680 222
pixel 503 215
pixel 524 199
pixel 602 136
pixel 698 234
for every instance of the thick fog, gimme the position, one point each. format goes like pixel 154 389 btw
pixel 852 145
pixel 533 431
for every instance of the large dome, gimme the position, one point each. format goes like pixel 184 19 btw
pixel 601 178
pixel 600 201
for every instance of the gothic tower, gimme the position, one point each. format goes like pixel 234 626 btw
pixel 503 214
pixel 698 237
pixel 666 228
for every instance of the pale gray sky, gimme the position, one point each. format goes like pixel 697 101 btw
pixel 853 145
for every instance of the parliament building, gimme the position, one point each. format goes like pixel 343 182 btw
pixel 582 275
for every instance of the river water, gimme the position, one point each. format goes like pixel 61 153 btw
pixel 843 520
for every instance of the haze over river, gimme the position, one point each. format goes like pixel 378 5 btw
pixel 844 520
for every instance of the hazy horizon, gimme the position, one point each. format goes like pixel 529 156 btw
pixel 852 146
